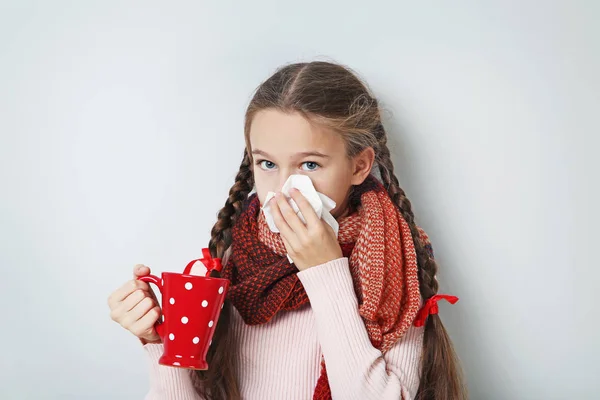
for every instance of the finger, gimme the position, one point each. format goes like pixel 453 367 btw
pixel 145 325
pixel 122 308
pixel 140 270
pixel 282 225
pixel 306 209
pixel 121 293
pixel 280 222
pixel 290 215
pixel 137 312
pixel 288 247
pixel 132 300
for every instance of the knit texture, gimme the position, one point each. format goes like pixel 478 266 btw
pixel 382 258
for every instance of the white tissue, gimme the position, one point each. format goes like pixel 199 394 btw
pixel 319 202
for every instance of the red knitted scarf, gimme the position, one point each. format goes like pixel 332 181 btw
pixel 382 259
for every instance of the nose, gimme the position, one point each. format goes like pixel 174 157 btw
pixel 283 177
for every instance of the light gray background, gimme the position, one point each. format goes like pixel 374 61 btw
pixel 121 132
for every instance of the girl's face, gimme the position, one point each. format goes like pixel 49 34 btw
pixel 285 144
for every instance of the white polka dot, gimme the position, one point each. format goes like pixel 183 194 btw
pixel 191 356
pixel 204 303
pixel 171 336
pixel 184 320
pixel 176 363
pixel 162 281
pixel 178 356
pixel 188 285
pixel 196 340
pixel 210 324
pixel 210 343
pixel 172 300
pixel 222 305
pixel 221 290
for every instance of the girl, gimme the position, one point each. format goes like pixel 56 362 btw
pixel 354 316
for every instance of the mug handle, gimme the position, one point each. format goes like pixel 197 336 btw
pixel 209 262
pixel 156 280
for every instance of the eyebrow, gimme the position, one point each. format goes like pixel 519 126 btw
pixel 301 154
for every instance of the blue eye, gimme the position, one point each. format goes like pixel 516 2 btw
pixel 264 164
pixel 311 166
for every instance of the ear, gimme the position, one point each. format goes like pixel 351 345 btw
pixel 362 163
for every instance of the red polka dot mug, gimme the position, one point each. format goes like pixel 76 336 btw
pixel 191 305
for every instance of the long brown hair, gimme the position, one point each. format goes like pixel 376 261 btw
pixel 333 96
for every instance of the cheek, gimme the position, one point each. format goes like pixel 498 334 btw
pixel 336 181
pixel 336 189
pixel 262 187
pixel 262 194
pixel 259 184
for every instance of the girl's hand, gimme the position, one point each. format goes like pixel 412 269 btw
pixel 135 307
pixel 308 245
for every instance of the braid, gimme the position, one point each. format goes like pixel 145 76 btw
pixel 221 232
pixel 220 381
pixel 441 376
pixel 427 265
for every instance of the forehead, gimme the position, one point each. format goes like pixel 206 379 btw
pixel 279 133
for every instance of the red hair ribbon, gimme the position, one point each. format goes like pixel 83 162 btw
pixel 431 307
pixel 209 262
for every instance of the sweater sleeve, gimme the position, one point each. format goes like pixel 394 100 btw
pixel 356 369
pixel 168 383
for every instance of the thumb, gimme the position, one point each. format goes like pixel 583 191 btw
pixel 140 270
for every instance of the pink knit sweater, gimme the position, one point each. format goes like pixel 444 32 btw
pixel 281 359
